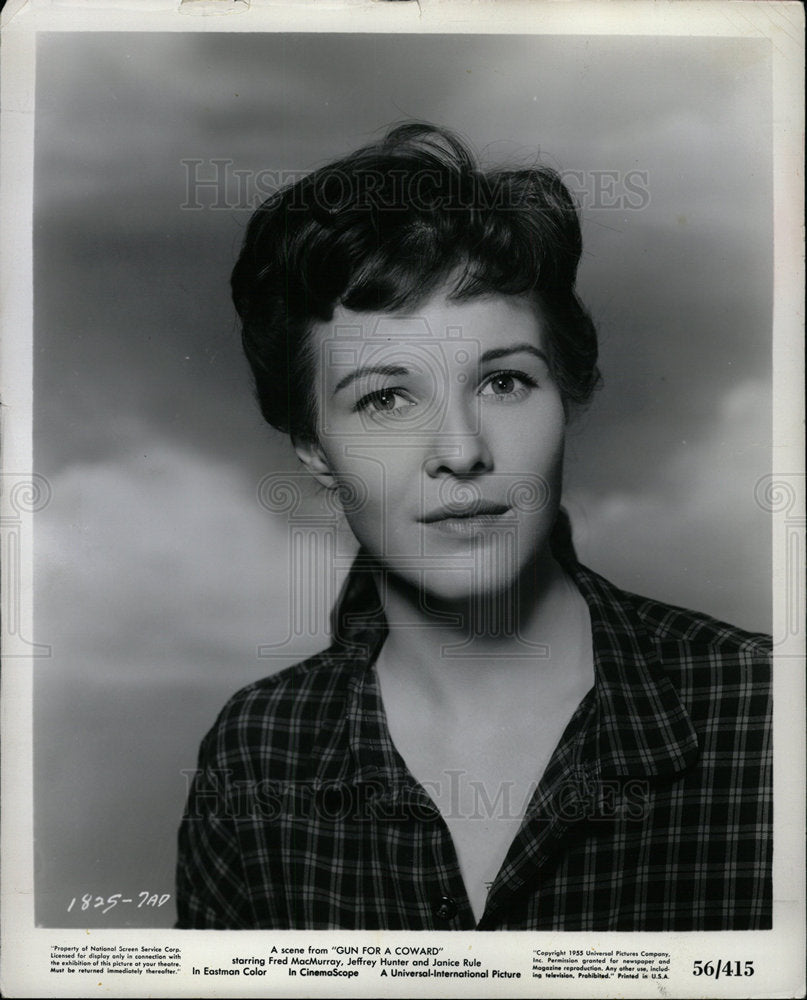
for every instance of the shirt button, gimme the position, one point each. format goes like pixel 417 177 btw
pixel 445 908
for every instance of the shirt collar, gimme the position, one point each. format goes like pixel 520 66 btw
pixel 638 728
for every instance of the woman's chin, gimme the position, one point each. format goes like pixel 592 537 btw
pixel 482 578
pixel 461 586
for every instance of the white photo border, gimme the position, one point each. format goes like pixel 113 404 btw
pixel 26 952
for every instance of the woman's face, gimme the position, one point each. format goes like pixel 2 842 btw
pixel 445 430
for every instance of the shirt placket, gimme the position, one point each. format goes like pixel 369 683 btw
pixel 557 807
pixel 433 871
pixel 437 878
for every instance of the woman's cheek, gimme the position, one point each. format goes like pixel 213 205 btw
pixel 367 512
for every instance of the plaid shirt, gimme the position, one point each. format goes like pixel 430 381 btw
pixel 654 812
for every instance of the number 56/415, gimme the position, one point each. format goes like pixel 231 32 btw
pixel 717 968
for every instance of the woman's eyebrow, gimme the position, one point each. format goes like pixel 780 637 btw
pixel 394 370
pixel 399 370
pixel 503 352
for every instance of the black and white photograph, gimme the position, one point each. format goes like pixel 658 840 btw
pixel 411 535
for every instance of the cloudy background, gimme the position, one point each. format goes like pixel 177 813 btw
pixel 159 571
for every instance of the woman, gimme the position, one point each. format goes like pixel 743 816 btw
pixel 497 738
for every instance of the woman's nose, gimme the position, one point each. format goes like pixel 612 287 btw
pixel 459 448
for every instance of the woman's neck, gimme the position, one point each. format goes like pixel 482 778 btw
pixel 446 644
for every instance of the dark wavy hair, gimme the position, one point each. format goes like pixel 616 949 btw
pixel 382 229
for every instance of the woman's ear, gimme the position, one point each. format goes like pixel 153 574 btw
pixel 313 458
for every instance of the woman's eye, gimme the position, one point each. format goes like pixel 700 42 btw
pixel 387 401
pixel 507 385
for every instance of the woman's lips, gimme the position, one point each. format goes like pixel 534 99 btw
pixel 466 526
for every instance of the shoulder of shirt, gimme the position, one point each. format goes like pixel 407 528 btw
pixel 318 679
pixel 298 701
pixel 669 623
pixel 683 640
pixel 690 642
